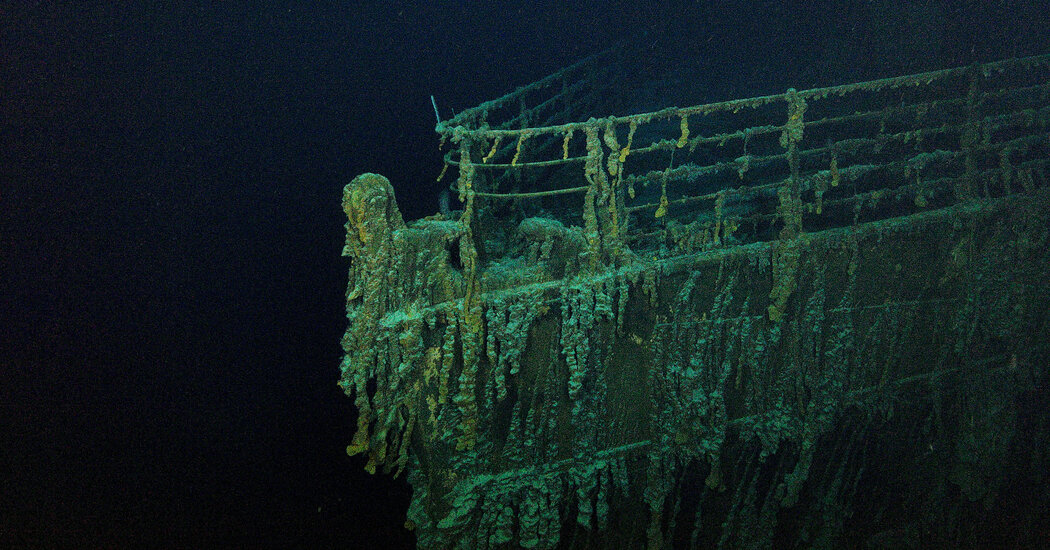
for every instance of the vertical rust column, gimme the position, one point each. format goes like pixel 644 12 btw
pixel 373 218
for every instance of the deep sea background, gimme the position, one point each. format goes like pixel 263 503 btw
pixel 171 288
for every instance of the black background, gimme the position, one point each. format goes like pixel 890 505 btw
pixel 172 289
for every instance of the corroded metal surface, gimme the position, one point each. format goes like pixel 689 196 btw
pixel 739 330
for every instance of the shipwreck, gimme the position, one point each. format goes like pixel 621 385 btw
pixel 814 319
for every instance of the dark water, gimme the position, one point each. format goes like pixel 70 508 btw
pixel 170 226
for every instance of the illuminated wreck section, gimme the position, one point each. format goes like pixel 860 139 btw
pixel 813 319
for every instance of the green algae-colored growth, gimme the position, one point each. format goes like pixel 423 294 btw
pixel 814 320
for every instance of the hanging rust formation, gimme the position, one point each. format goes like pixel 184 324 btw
pixel 814 319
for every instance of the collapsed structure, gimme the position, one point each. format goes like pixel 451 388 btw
pixel 812 319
